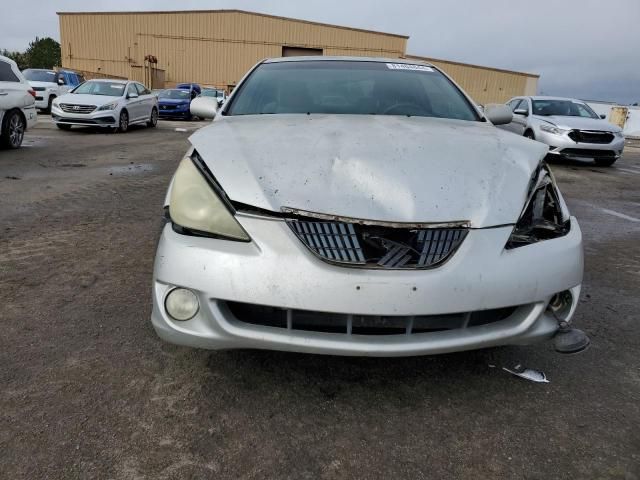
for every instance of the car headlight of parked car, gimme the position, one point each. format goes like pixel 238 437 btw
pixel 55 104
pixel 109 106
pixel 552 129
pixel 619 134
pixel 196 208
pixel 545 215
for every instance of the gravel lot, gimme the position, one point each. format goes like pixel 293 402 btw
pixel 88 391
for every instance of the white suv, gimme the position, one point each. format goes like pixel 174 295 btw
pixel 49 84
pixel 17 104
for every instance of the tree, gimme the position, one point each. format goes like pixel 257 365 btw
pixel 18 57
pixel 43 53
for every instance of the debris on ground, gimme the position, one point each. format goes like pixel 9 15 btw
pixel 527 374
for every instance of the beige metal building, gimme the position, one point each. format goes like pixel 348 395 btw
pixel 216 47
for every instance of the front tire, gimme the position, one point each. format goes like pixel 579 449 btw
pixel 63 126
pixel 123 124
pixel 51 99
pixel 13 128
pixel 605 162
pixel 153 120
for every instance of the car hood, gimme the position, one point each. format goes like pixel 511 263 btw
pixel 84 99
pixel 173 101
pixel 579 123
pixel 43 84
pixel 385 168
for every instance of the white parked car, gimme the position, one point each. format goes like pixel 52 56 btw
pixel 568 126
pixel 359 206
pixel 17 104
pixel 107 103
pixel 49 84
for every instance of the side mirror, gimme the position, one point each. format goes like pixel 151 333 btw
pixel 498 114
pixel 521 111
pixel 132 95
pixel 603 116
pixel 204 107
pixel 61 81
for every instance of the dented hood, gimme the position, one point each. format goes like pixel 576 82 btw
pixel 386 168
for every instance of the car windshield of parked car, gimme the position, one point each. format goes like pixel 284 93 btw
pixel 101 88
pixel 350 87
pixel 40 75
pixel 565 108
pixel 175 94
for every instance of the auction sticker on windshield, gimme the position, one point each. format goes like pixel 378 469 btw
pixel 406 66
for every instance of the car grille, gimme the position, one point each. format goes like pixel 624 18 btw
pixel 585 152
pixel 307 320
pixel 167 107
pixel 71 108
pixel 591 136
pixel 372 246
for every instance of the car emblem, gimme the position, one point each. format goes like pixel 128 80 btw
pixel 76 107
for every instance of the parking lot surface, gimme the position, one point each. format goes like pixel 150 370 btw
pixel 89 391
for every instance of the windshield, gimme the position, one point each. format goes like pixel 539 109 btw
pixel 101 88
pixel 175 94
pixel 212 93
pixel 40 75
pixel 565 108
pixel 348 87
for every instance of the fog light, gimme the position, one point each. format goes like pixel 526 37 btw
pixel 560 305
pixel 181 304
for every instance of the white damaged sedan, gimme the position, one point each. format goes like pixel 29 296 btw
pixel 358 206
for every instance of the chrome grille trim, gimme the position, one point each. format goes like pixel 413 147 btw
pixel 378 247
pixel 591 136
pixel 73 108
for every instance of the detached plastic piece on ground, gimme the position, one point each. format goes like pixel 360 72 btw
pixel 570 340
pixel 528 374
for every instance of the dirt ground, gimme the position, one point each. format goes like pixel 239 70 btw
pixel 88 391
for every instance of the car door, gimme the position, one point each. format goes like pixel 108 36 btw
pixel 521 116
pixel 134 105
pixel 147 100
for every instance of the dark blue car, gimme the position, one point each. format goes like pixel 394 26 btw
pixel 174 103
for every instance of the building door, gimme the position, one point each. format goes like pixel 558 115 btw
pixel 618 116
pixel 300 52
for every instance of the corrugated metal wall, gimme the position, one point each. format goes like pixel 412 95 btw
pixel 212 47
pixel 487 85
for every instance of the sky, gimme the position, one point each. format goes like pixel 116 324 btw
pixel 587 49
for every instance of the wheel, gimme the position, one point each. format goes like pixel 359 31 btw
pixel 605 161
pixel 153 121
pixel 13 129
pixel 123 125
pixel 529 134
pixel 63 126
pixel 51 99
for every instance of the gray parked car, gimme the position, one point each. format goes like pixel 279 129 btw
pixel 570 127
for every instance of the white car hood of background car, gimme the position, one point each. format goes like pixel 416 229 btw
pixel 84 99
pixel 385 168
pixel 579 123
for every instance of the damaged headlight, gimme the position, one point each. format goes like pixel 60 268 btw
pixel 195 208
pixel 545 215
pixel 552 129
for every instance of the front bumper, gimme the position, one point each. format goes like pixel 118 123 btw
pixel 562 145
pixel 276 269
pixel 97 118
pixel 174 113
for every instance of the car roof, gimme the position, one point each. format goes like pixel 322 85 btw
pixel 546 97
pixel 110 80
pixel 317 58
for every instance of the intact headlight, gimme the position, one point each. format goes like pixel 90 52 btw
pixel 196 208
pixel 55 104
pixel 109 106
pixel 545 214
pixel 552 129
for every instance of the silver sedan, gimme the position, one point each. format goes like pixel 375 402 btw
pixel 570 127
